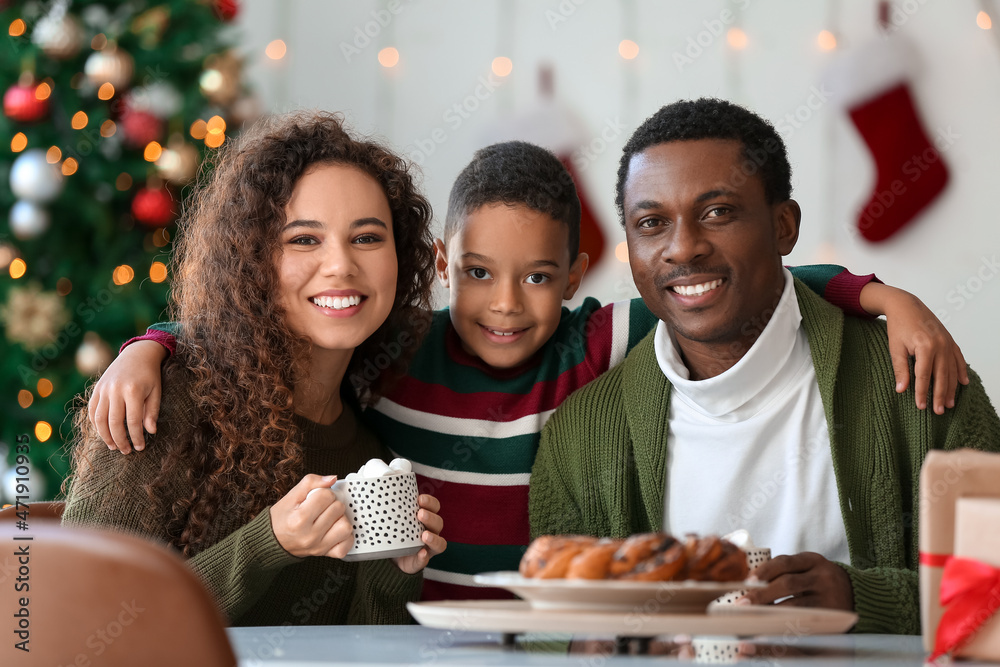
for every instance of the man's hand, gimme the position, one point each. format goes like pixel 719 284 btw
pixel 810 580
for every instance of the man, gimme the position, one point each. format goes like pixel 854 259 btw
pixel 753 404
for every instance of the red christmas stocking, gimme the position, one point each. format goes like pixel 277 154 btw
pixel 911 173
pixel 591 235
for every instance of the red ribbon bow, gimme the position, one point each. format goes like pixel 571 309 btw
pixel 970 590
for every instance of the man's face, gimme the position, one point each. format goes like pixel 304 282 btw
pixel 704 245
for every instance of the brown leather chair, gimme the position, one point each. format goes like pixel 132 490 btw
pixel 52 509
pixel 101 598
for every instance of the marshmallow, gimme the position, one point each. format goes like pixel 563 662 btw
pixel 740 538
pixel 374 468
pixel 400 465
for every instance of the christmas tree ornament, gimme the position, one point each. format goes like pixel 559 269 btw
pixel 140 127
pixel 94 355
pixel 179 161
pixel 873 86
pixel 153 207
pixel 159 99
pixel 32 317
pixel 150 26
pixel 59 34
pixel 34 179
pixel 226 9
pixel 28 220
pixel 220 82
pixel 110 65
pixel 22 105
pixel 37 490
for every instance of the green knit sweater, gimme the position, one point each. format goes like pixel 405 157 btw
pixel 601 465
pixel 254 580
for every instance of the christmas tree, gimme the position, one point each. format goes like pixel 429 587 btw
pixel 108 111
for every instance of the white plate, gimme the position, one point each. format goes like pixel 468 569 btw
pixel 517 616
pixel 656 597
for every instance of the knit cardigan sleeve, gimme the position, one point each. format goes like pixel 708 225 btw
pixel 111 494
pixel 887 599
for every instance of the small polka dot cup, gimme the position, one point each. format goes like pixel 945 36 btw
pixel 755 557
pixel 383 512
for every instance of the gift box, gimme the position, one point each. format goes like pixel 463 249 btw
pixel 960 547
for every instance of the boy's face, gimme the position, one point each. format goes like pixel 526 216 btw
pixel 508 271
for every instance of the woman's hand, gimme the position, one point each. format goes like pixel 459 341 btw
pixel 914 331
pixel 310 521
pixel 128 393
pixel 435 544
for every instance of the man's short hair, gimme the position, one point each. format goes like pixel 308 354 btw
pixel 710 118
pixel 512 173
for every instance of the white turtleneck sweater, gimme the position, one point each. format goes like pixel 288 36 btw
pixel 750 448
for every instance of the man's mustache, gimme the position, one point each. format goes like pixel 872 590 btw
pixel 685 270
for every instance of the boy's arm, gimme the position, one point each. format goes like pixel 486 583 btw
pixel 128 395
pixel 164 333
pixel 913 330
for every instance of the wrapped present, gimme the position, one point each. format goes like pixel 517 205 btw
pixel 960 554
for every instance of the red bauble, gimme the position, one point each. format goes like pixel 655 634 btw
pixel 140 127
pixel 226 9
pixel 20 104
pixel 154 207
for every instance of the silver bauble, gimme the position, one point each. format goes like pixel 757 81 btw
pixel 34 179
pixel 28 220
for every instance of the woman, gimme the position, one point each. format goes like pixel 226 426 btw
pixel 304 251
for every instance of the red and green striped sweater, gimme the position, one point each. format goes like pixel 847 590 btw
pixel 471 431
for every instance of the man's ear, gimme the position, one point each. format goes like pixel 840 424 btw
pixel 786 225
pixel 576 271
pixel 441 262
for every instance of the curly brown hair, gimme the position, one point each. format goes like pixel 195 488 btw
pixel 234 345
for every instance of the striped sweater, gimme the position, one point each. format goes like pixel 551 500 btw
pixel 472 431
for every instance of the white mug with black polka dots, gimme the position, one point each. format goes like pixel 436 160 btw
pixel 755 557
pixel 383 512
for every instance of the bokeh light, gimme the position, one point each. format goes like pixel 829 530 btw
pixel 79 120
pixel 25 398
pixel 737 39
pixel 45 388
pixel 276 50
pixel 43 431
pixel 628 49
pixel 502 66
pixel 19 142
pixel 17 268
pixel 388 57
pixel 158 272
pixel 621 252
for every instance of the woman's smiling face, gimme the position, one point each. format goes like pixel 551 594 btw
pixel 337 268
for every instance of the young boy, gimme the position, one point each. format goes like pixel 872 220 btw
pixel 496 363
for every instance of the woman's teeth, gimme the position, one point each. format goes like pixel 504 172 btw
pixel 336 302
pixel 501 333
pixel 696 290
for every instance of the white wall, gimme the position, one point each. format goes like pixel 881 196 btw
pixel 446 46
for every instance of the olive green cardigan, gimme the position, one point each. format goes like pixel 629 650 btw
pixel 601 465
